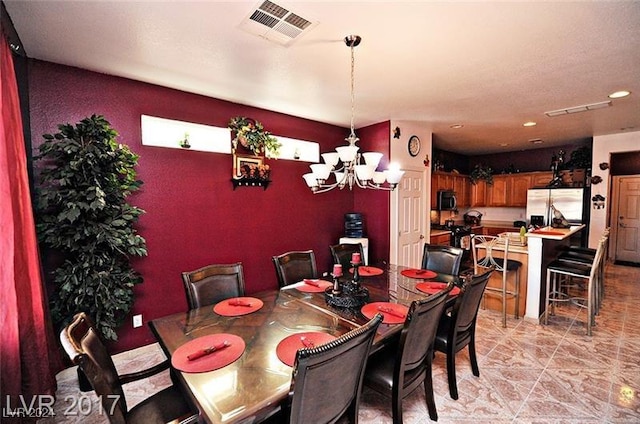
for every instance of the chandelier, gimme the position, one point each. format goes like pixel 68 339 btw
pixel 349 167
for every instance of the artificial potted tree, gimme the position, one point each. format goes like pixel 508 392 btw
pixel 83 215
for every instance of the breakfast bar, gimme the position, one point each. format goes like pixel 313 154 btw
pixel 543 246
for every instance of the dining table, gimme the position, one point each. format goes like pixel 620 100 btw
pixel 241 374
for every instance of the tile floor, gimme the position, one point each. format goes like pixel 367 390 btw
pixel 528 373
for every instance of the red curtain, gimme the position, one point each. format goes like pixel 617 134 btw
pixel 28 353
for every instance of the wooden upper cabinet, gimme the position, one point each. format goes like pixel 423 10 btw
pixel 461 187
pixel 440 181
pixel 478 194
pixel 498 192
pixel 507 190
pixel 520 183
pixel 541 179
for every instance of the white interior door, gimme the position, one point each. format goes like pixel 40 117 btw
pixel 628 220
pixel 411 219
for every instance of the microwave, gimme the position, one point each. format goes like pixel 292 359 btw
pixel 447 200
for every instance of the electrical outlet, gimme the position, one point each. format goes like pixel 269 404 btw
pixel 137 321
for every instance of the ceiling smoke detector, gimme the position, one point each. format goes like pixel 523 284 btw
pixel 276 23
pixel 577 109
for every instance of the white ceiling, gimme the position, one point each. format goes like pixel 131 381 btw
pixel 490 66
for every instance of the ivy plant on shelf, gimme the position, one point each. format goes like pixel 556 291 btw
pixel 84 218
pixel 251 135
pixel 481 172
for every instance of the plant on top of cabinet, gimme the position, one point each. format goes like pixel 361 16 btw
pixel 83 215
pixel 481 172
pixel 251 135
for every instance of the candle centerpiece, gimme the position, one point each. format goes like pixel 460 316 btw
pixel 349 294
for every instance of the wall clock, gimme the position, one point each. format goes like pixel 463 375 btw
pixel 414 145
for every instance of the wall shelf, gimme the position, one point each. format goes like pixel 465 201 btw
pixel 250 182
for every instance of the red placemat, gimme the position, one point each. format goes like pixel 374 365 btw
pixel 213 361
pixel 432 288
pixel 393 313
pixel 237 306
pixel 309 285
pixel 368 271
pixel 287 348
pixel 418 273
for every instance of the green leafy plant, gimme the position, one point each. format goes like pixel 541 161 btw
pixel 251 134
pixel 82 214
pixel 481 172
pixel 580 159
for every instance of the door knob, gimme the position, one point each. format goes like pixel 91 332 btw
pixel 421 237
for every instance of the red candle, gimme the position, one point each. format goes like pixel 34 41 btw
pixel 337 270
pixel 355 257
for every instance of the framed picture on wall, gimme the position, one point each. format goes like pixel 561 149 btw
pixel 250 166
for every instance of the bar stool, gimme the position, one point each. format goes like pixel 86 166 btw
pixel 503 265
pixel 583 255
pixel 588 272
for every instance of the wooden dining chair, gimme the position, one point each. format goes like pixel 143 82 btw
pixel 295 266
pixel 341 253
pixel 327 379
pixel 83 344
pixel 398 370
pixel 213 283
pixel 458 330
pixel 442 259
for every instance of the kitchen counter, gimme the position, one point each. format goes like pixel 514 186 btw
pixel 544 246
pixel 551 233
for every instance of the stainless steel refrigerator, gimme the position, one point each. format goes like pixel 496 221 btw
pixel 571 202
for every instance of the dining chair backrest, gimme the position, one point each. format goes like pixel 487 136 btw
pixel 83 344
pixel 442 259
pixel 295 266
pixel 327 379
pixel 341 253
pixel 465 309
pixel 418 333
pixel 213 283
pixel 457 330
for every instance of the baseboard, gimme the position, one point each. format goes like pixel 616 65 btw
pixel 626 263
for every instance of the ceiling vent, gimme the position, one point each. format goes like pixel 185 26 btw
pixel 277 24
pixel 576 109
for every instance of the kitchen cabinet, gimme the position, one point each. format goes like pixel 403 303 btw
pixel 449 181
pixel 519 184
pixel 443 239
pixel 478 194
pixel 507 190
pixel 541 179
pixel 461 187
pixel 498 192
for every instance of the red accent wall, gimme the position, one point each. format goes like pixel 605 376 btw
pixel 193 215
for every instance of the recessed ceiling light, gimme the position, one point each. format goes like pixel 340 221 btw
pixel 619 94
pixel 504 144
pixel 536 141
pixel 529 124
pixel 456 126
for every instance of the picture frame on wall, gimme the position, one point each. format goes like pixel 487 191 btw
pixel 249 167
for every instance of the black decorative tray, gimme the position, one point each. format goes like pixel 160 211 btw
pixel 351 296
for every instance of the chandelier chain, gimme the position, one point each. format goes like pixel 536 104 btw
pixel 353 96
